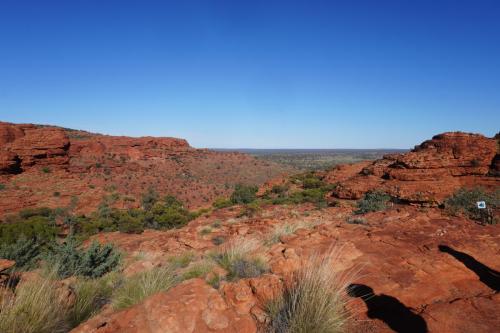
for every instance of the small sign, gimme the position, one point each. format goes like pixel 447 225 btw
pixel 481 204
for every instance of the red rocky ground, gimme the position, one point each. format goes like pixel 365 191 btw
pixel 426 271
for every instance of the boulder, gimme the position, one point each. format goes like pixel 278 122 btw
pixel 192 306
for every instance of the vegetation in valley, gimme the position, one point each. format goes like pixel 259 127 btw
pixel 318 159
pixel 302 188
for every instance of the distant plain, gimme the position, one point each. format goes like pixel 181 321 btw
pixel 316 159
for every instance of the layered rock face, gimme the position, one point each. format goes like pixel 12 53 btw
pixel 25 146
pixel 430 172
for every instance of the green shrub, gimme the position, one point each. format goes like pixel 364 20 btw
pixel 464 202
pixel 308 180
pixel 250 210
pixel 38 227
pixel 2 187
pixel 218 240
pixel 244 194
pixel 32 212
pixel 25 252
pixel 279 189
pixel 205 231
pixel 167 217
pixel 149 199
pixel 94 262
pixel 222 203
pixel 313 195
pixel 313 301
pixel 373 201
pixel 46 170
pixel 144 284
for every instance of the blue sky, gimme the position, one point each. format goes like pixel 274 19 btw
pixel 256 74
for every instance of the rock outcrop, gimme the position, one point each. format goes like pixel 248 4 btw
pixel 430 172
pixel 25 146
pixel 192 306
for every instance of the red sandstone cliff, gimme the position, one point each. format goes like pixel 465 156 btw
pixel 47 166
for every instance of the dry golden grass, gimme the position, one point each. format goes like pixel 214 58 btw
pixel 286 229
pixel 239 258
pixel 144 284
pixel 314 301
pixel 36 307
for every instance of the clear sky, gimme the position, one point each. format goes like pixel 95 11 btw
pixel 256 74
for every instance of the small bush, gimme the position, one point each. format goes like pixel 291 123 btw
pixel 280 230
pixel 313 301
pixel 46 170
pixel 246 268
pixel 250 210
pixel 218 240
pixel 373 201
pixel 182 260
pixel 94 262
pixel 464 202
pixel 238 260
pixel 36 307
pixel 2 187
pixel 244 194
pixel 29 225
pixel 57 194
pixel 205 231
pixel 279 189
pixel 149 199
pixel 198 270
pixel 222 203
pixel 25 252
pixel 142 285
pixel 356 220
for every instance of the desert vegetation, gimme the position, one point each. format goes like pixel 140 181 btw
pixel 313 301
pixel 318 159
pixel 372 201
pixel 144 284
pixel 301 188
pixel 464 202
pixel 239 259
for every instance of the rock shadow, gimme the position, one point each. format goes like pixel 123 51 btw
pixel 486 275
pixel 389 309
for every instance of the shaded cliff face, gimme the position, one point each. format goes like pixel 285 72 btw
pixel 47 166
pixel 430 172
